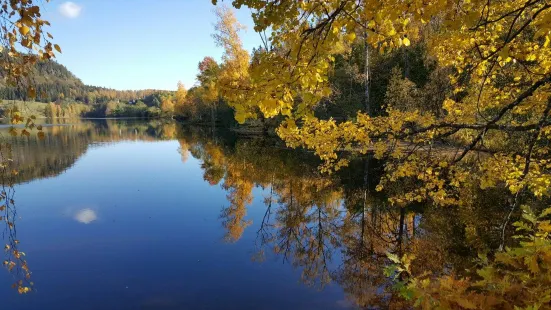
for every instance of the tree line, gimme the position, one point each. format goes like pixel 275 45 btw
pixel 64 94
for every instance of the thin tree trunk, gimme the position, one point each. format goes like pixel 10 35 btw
pixel 401 231
pixel 364 210
pixel 406 63
pixel 213 114
pixel 367 101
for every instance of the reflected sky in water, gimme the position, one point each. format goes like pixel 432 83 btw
pixel 158 244
pixel 153 215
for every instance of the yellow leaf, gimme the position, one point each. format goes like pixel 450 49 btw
pixel 57 48
pixel 464 303
pixel 406 41
pixel 532 264
pixel 24 30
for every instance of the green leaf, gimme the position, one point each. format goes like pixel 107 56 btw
pixel 393 257
pixel 545 213
pixel 530 217
pixel 389 270
pixel 483 258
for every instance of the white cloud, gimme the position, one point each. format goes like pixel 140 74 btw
pixel 86 216
pixel 70 9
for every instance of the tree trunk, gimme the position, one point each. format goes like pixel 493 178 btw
pixel 365 207
pixel 367 102
pixel 406 63
pixel 401 229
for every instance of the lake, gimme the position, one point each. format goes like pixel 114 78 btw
pixel 129 214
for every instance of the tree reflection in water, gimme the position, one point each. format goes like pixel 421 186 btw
pixel 338 228
pixel 14 259
pixel 333 228
pixel 24 159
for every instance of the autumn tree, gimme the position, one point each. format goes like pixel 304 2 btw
pixel 208 77
pixel 402 94
pixel 24 43
pixel 180 96
pixel 233 72
pixel 235 58
pixel 497 56
pixel 167 106
pixel 180 99
pixel 209 92
pixel 501 75
pixel 509 54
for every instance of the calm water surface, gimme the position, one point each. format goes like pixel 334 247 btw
pixel 150 215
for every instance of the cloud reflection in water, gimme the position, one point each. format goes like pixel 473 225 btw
pixel 86 216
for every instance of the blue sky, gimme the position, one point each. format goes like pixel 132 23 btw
pixel 137 44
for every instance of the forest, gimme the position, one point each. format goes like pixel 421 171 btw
pixel 60 94
pixel 451 98
pixel 455 97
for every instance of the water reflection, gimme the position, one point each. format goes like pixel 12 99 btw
pixel 338 228
pixel 14 259
pixel 86 216
pixel 332 229
pixel 64 144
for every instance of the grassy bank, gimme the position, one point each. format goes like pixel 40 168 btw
pixel 43 110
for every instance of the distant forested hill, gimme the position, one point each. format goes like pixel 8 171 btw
pixel 55 83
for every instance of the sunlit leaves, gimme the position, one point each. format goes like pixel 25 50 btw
pixel 23 44
pixel 24 30
pixel 493 132
pixel 23 25
pixel 519 276
pixel 232 78
pixel 495 50
pixel 14 259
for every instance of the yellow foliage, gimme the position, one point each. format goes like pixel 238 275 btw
pixel 496 119
pixel 500 48
pixel 24 43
